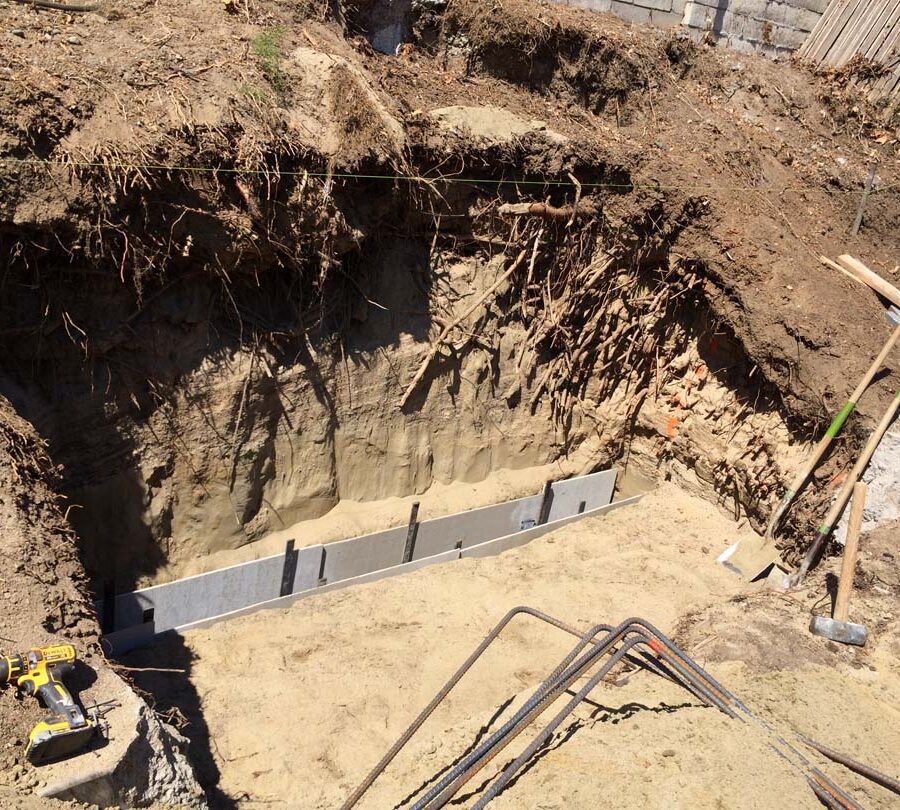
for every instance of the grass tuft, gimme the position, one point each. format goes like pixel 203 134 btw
pixel 267 50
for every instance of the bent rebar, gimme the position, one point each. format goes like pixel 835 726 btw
pixel 854 765
pixel 558 681
pixel 666 658
pixel 535 745
pixel 445 690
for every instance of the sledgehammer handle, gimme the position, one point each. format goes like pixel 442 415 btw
pixel 851 547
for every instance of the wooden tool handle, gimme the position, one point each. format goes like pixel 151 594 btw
pixel 876 366
pixel 851 547
pixel 862 273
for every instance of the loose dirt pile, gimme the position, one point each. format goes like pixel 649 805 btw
pixel 352 668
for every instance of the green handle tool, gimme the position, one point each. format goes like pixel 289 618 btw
pixel 838 506
pixel 833 429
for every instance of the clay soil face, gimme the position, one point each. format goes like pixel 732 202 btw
pixel 292 708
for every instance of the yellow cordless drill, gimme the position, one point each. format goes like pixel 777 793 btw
pixel 40 672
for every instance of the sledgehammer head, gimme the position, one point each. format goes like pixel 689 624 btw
pixel 843 632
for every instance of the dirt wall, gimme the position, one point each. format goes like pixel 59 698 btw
pixel 213 314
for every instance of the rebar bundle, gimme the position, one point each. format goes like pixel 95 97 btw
pixel 595 654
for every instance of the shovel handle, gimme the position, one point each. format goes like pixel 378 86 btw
pixel 864 275
pixel 851 547
pixel 833 429
pixel 844 495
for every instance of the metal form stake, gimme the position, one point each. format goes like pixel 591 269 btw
pixel 411 532
pixel 546 503
pixel 862 203
pixel 289 571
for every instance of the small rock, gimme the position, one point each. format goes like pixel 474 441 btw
pixel 55 32
pixel 17 32
pixel 669 752
pixel 73 40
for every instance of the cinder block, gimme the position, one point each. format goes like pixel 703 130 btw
pixel 777 12
pixel 630 12
pixel 817 6
pixel 591 5
pixel 655 5
pixel 665 19
pixel 751 29
pixel 802 19
pixel 789 38
pixel 697 15
pixel 740 45
pixel 748 8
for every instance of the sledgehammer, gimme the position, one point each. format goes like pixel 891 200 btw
pixel 838 628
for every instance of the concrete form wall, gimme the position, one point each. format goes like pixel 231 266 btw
pixel 774 27
pixel 141 615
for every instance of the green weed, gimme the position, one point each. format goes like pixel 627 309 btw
pixel 267 50
pixel 256 94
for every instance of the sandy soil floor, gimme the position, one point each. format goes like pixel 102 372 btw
pixel 292 708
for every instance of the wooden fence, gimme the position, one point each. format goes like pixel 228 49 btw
pixel 866 28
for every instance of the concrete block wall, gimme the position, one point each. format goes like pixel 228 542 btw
pixel 774 27
pixel 662 13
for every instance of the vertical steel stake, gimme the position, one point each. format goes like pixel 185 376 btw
pixel 108 620
pixel 411 532
pixel 289 570
pixel 546 503
pixel 862 203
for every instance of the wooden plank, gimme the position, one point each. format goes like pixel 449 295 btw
pixel 881 45
pixel 837 31
pixel 887 87
pixel 889 39
pixel 887 84
pixel 815 35
pixel 838 23
pixel 880 21
pixel 824 29
pixel 847 45
pixel 830 20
